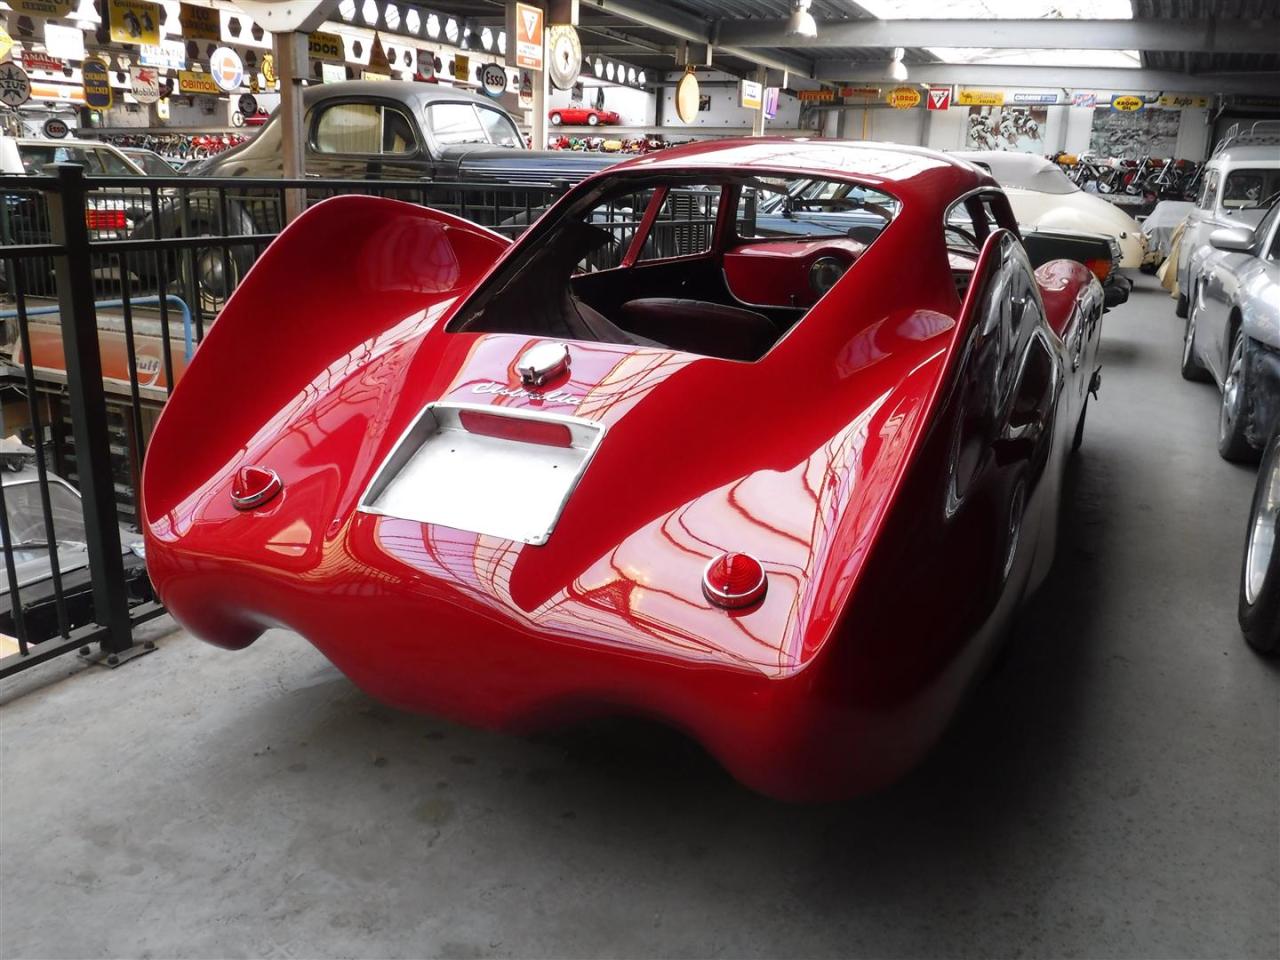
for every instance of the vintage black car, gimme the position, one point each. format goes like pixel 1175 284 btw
pixel 405 131
pixel 368 130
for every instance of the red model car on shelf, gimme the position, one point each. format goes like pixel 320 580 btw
pixel 777 483
pixel 582 117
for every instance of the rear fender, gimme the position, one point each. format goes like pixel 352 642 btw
pixel 349 278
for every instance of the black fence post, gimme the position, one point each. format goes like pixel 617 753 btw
pixel 87 396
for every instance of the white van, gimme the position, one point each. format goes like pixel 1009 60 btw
pixel 1238 183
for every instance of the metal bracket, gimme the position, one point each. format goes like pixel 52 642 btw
pixel 105 658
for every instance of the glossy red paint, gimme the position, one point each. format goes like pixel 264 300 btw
pixel 583 116
pixel 894 467
pixel 776 273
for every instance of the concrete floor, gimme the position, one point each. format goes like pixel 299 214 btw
pixel 1111 791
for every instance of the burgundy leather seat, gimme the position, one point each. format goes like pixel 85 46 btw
pixel 697 326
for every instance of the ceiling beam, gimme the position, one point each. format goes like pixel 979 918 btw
pixel 1204 36
pixel 684 26
pixel 1082 78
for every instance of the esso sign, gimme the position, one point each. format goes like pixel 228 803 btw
pixel 493 78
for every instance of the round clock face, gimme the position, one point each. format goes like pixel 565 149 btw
pixel 566 56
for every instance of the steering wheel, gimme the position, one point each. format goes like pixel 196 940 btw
pixel 968 237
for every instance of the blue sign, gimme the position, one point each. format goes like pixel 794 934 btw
pixel 97 84
pixel 1035 98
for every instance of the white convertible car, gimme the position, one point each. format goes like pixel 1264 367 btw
pixel 1045 198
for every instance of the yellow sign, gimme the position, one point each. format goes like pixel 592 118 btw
pixel 269 69
pixel 51 9
pixel 196 82
pixel 461 66
pixel 200 23
pixel 816 96
pixel 327 47
pixel 980 98
pixel 903 98
pixel 1128 103
pixel 1176 101
pixel 6 43
pixel 134 21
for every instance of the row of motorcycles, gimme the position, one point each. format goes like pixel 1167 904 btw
pixel 608 144
pixel 178 147
pixel 1152 178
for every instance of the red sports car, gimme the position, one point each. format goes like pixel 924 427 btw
pixel 582 117
pixel 762 439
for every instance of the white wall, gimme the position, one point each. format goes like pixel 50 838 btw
pixel 725 116
pixel 1193 134
pixel 636 107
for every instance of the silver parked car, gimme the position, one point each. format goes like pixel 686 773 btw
pixel 1232 335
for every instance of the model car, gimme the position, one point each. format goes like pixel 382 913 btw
pixel 1238 180
pixel 1232 334
pixel 782 493
pixel 582 116
pixel 1045 198
pixel 1260 577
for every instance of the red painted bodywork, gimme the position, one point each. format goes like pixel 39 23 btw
pixel 776 274
pixel 894 466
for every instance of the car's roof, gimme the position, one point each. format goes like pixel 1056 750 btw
pixel 67 142
pixel 402 90
pixel 1254 153
pixel 874 162
pixel 1006 159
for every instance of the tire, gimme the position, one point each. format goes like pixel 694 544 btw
pixel 1078 439
pixel 593 120
pixel 1233 415
pixel 556 119
pixel 1192 368
pixel 1259 609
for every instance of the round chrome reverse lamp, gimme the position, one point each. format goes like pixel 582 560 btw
pixel 824 273
pixel 542 363
pixel 254 486
pixel 734 581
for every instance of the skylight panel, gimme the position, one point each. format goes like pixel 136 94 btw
pixel 998 9
pixel 1016 57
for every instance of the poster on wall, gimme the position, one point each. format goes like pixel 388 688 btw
pixel 51 9
pixel 134 22
pixel 1019 129
pixel 1134 134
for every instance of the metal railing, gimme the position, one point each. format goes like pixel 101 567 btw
pixel 109 286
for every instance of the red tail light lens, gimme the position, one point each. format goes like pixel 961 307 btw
pixel 734 580
pixel 105 220
pixel 545 432
pixel 254 486
pixel 1099 268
